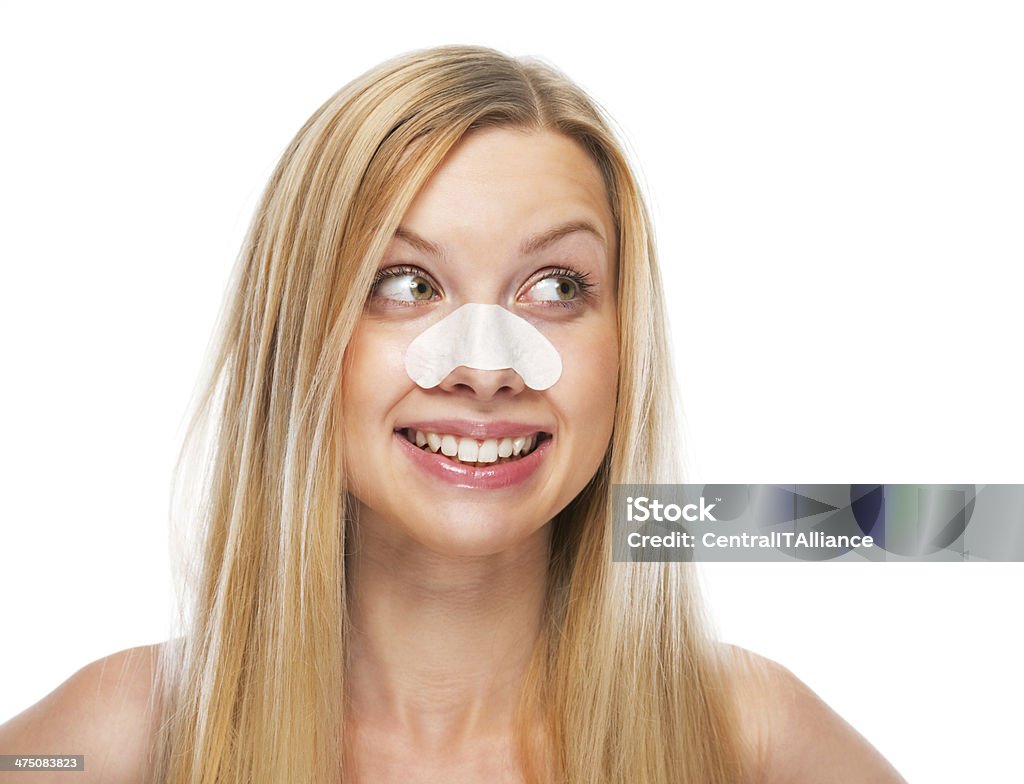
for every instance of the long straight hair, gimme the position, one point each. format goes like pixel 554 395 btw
pixel 625 683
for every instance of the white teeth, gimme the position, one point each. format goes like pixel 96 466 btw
pixel 469 450
pixel 488 451
pixel 517 444
pixel 449 446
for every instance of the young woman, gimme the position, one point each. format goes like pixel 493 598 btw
pixel 409 579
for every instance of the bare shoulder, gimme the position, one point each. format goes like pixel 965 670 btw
pixel 790 735
pixel 104 711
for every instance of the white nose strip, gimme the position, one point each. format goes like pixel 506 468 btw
pixel 485 337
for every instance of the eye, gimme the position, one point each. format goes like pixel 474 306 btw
pixel 405 284
pixel 556 289
pixel 564 287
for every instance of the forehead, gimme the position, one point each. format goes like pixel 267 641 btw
pixel 501 183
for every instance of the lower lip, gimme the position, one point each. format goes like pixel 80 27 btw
pixel 493 477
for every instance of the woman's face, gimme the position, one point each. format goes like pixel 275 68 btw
pixel 513 218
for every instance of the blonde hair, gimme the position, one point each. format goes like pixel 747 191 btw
pixel 624 675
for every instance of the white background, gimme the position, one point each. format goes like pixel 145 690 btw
pixel 837 189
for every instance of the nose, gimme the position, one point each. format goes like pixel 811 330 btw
pixel 482 384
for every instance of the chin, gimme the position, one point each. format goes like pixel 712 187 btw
pixel 473 533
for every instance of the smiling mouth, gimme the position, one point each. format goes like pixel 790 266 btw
pixel 474 452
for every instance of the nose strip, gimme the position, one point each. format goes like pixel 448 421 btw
pixel 485 337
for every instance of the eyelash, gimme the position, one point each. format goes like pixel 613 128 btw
pixel 581 279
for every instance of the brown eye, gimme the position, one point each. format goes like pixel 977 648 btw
pixel 567 288
pixel 404 286
pixel 421 288
pixel 555 289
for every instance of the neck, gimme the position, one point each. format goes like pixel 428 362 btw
pixel 440 644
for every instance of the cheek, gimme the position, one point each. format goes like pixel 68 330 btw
pixel 373 380
pixel 373 377
pixel 604 372
pixel 374 349
pixel 589 380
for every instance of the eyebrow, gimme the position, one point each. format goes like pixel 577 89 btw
pixel 418 242
pixel 540 241
pixel 529 246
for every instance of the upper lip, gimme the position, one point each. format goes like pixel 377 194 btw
pixel 474 428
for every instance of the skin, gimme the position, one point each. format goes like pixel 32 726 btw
pixel 496 189
pixel 448 582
